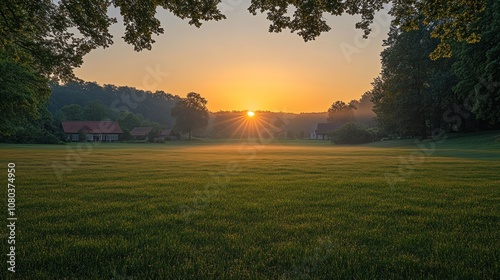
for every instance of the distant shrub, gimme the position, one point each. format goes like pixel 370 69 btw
pixel 37 135
pixel 352 133
pixel 126 135
pixel 153 135
pixel 377 133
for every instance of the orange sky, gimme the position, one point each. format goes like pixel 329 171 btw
pixel 236 64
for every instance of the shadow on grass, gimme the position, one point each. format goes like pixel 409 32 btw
pixel 479 145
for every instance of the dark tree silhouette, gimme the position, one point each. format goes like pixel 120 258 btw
pixel 24 95
pixel 341 112
pixel 95 111
pixel 190 113
pixel 478 68
pixel 41 33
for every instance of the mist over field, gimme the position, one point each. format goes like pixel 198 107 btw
pixel 254 209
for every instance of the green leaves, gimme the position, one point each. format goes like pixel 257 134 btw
pixel 42 34
pixel 191 113
pixel 23 94
pixel 416 94
pixel 448 20
pixel 404 94
pixel 90 17
pixel 195 10
pixel 140 22
pixel 479 68
pixel 341 113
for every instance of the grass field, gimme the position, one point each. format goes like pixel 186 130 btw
pixel 245 210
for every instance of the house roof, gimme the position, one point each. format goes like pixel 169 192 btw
pixel 106 127
pixel 326 127
pixel 141 131
pixel 165 132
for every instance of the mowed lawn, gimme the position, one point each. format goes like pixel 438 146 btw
pixel 249 210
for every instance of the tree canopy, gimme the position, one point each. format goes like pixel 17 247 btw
pixel 191 113
pixel 54 37
pixel 23 93
pixel 153 106
pixel 341 112
pixel 478 68
pixel 415 95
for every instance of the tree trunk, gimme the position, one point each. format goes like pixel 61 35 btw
pixel 190 135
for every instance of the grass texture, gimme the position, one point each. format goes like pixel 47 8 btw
pixel 400 209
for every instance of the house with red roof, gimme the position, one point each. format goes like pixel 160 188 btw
pixel 93 131
pixel 140 133
pixel 166 133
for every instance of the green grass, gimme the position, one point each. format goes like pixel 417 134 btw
pixel 281 210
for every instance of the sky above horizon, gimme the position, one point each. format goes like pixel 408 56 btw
pixel 236 64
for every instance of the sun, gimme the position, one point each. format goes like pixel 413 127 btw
pixel 250 113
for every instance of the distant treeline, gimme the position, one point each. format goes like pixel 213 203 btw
pixel 237 124
pixel 89 101
pixel 127 105
pixel 132 107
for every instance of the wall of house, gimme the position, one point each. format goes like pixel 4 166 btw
pixel 90 137
pixel 72 137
